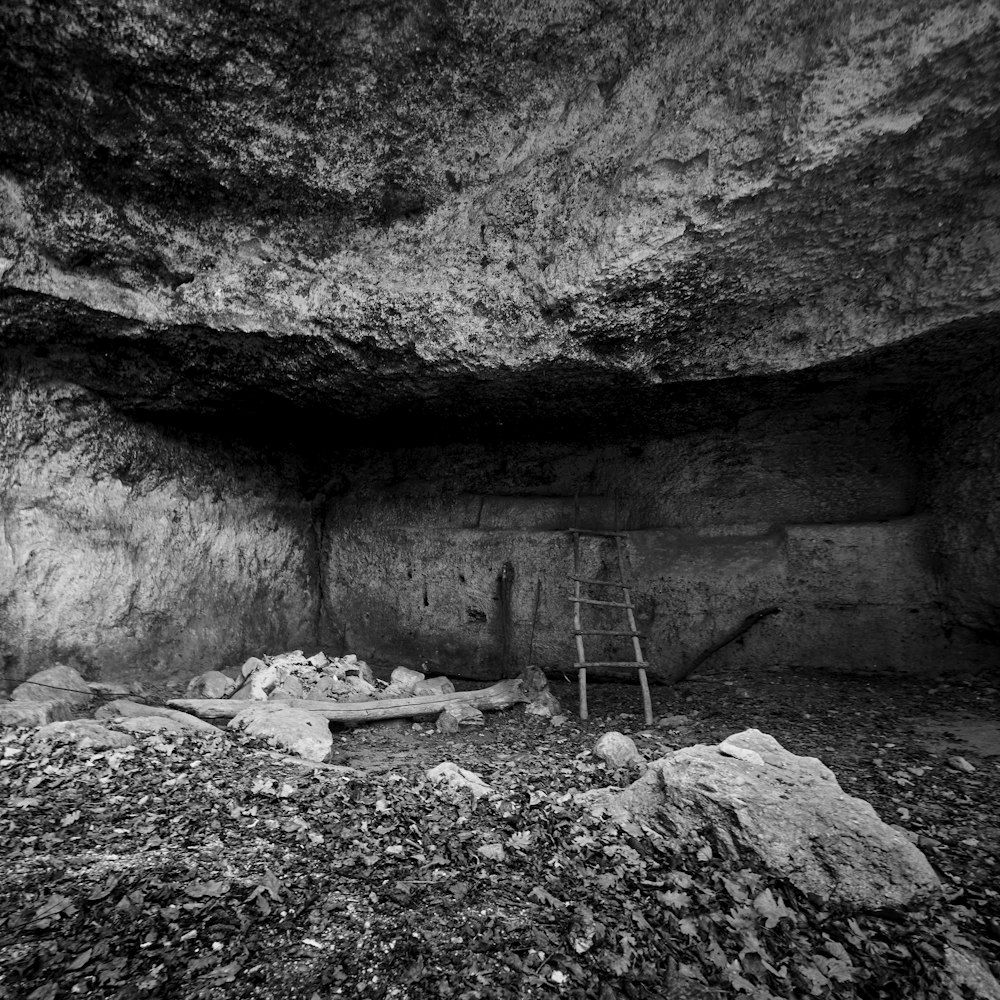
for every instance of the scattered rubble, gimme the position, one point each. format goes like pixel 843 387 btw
pixel 313 691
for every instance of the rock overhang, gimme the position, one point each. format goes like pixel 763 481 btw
pixel 493 220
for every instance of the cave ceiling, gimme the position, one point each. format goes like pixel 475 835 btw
pixel 462 218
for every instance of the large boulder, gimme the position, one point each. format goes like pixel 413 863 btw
pixel 34 713
pixel 302 733
pixel 59 683
pixel 753 801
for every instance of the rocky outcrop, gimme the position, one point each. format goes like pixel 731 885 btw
pixel 730 255
pixel 409 201
pixel 125 551
pixel 752 801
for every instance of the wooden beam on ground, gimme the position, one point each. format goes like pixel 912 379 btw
pixel 505 694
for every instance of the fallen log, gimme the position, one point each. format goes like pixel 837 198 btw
pixel 503 695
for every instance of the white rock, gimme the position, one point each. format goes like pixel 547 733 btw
pixel 433 685
pixel 210 684
pixel 299 732
pixel 405 679
pixel 254 663
pixel 58 683
pixel 451 774
pixel 790 817
pixel 617 750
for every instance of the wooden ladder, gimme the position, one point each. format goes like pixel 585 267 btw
pixel 625 604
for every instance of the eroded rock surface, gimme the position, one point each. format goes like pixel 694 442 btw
pixel 370 204
pixel 756 249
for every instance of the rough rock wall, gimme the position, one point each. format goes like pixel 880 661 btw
pixel 373 207
pixel 125 552
pixel 808 509
pixel 962 489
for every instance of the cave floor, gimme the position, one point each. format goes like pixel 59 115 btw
pixel 888 739
pixel 211 866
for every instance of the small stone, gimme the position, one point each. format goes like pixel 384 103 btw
pixel 251 665
pixel 558 720
pixel 450 773
pixel 447 723
pixel 405 679
pixel 544 705
pixel 467 715
pixel 617 750
pixel 211 684
pixel 960 764
pixel 674 721
pixel 433 685
pixel 85 733
pixel 60 683
pixel 494 852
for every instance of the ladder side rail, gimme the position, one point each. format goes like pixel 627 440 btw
pixel 578 626
pixel 647 703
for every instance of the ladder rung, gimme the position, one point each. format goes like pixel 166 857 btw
pixel 606 604
pixel 597 631
pixel 613 663
pixel 598 534
pixel 599 583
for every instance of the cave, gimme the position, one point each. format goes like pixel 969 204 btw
pixel 313 319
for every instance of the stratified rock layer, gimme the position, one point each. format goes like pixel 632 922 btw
pixel 745 260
